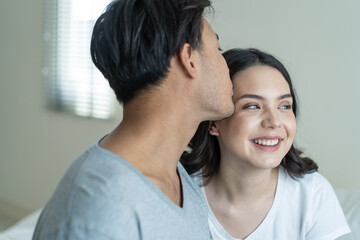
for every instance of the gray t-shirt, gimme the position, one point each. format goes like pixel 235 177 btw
pixel 101 196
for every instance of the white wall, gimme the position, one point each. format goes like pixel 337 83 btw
pixel 316 40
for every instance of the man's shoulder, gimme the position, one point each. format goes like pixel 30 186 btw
pixel 98 194
pixel 102 177
pixel 88 223
pixel 95 173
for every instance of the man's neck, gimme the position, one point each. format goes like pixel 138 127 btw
pixel 153 141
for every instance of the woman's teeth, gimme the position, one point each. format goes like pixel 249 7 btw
pixel 266 142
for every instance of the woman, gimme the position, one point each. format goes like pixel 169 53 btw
pixel 257 185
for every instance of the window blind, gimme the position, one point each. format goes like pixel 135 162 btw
pixel 73 82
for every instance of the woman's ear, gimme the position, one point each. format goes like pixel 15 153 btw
pixel 186 55
pixel 213 129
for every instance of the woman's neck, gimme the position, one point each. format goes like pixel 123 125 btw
pixel 243 185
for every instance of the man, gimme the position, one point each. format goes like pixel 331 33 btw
pixel 162 60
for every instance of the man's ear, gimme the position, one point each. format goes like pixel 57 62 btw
pixel 213 129
pixel 187 59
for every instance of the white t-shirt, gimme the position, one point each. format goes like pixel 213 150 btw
pixel 306 208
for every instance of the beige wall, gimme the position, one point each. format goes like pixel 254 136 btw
pixel 36 146
pixel 316 40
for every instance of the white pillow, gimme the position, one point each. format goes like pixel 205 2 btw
pixel 350 203
pixel 22 230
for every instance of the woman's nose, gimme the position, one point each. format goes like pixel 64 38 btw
pixel 271 120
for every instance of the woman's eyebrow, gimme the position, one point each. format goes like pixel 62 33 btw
pixel 255 96
pixel 251 96
pixel 285 96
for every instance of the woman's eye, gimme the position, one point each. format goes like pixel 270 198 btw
pixel 286 106
pixel 220 49
pixel 252 106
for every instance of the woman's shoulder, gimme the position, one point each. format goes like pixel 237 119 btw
pixel 314 199
pixel 313 182
pixel 308 194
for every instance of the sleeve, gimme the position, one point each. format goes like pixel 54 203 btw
pixel 328 221
pixel 75 234
pixel 77 231
pixel 120 223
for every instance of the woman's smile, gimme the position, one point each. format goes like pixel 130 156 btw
pixel 267 144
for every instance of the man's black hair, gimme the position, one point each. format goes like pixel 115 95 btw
pixel 133 41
